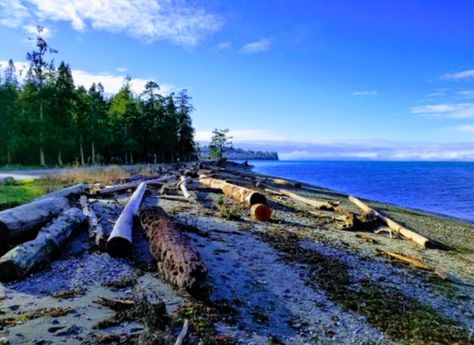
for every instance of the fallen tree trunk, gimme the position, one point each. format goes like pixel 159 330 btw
pixel 397 228
pixel 320 205
pixel 183 186
pixel 120 240
pixel 24 258
pixel 96 232
pixel 178 262
pixel 135 184
pixel 241 194
pixel 20 223
pixel 67 192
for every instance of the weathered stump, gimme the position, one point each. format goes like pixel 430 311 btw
pixel 178 262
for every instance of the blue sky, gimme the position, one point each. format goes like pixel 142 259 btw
pixel 312 79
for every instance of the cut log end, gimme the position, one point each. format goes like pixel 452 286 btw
pixel 257 198
pixel 261 212
pixel 119 247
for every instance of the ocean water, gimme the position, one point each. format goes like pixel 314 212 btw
pixel 445 188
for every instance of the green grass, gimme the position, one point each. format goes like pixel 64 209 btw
pixel 24 191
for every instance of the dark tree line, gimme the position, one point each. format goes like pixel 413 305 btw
pixel 47 120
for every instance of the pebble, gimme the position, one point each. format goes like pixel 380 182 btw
pixel 71 330
pixel 4 340
pixel 55 321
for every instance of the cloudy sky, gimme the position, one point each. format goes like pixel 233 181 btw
pixel 312 79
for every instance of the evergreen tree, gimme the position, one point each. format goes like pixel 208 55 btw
pixel 8 111
pixel 186 148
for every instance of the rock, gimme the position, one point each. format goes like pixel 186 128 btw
pixel 71 330
pixel 4 340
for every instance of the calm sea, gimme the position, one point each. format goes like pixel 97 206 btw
pixel 445 188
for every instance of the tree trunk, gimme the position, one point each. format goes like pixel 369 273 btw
pixel 177 261
pixel 25 257
pixel 96 232
pixel 41 149
pixel 67 192
pixel 60 161
pixel 81 150
pixel 93 153
pixel 183 186
pixel 8 155
pixel 19 224
pixel 329 205
pixel 134 185
pixel 242 194
pixel 120 240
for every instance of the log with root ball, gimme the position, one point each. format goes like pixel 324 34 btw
pixel 397 228
pixel 21 223
pixel 244 195
pixel 24 258
pixel 120 240
pixel 177 261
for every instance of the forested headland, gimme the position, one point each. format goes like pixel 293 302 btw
pixel 47 120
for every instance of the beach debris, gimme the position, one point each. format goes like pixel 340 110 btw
pixel 96 232
pixel 20 223
pixel 406 259
pixel 68 192
pixel 116 304
pixel 367 238
pixel 120 240
pixel 134 184
pixel 182 334
pixel 286 183
pixel 183 186
pixel 397 228
pixel 329 205
pixel 244 195
pixel 261 212
pixel 25 257
pixel 177 261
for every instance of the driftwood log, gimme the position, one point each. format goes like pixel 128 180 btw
pixel 20 223
pixel 183 186
pixel 96 232
pixel 68 192
pixel 329 205
pixel 134 184
pixel 397 228
pixel 178 262
pixel 24 258
pixel 244 195
pixel 120 239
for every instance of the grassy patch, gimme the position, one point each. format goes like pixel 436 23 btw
pixel 401 317
pixel 23 192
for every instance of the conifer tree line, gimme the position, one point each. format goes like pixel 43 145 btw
pixel 47 120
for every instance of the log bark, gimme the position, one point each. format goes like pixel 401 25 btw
pixel 241 194
pixel 20 223
pixel 120 239
pixel 177 261
pixel 134 184
pixel 24 258
pixel 183 186
pixel 320 205
pixel 96 232
pixel 67 192
pixel 397 228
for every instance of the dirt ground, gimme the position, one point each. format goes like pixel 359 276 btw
pixel 296 279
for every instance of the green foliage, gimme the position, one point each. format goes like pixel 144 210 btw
pixel 220 143
pixel 68 125
pixel 16 194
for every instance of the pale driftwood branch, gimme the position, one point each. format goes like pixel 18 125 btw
pixel 20 223
pixel 25 257
pixel 321 205
pixel 397 228
pixel 134 184
pixel 406 259
pixel 182 334
pixel 67 192
pixel 120 240
pixel 177 261
pixel 183 186
pixel 95 228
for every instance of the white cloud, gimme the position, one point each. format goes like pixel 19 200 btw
pixel 111 82
pixel 365 93
pixel 256 47
pixel 224 45
pixel 242 135
pixel 465 128
pixel 178 21
pixel 468 74
pixel 121 69
pixel 454 110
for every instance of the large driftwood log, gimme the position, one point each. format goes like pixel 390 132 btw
pixel 134 184
pixel 96 232
pixel 20 223
pixel 320 205
pixel 397 228
pixel 67 192
pixel 178 262
pixel 183 186
pixel 24 258
pixel 120 239
pixel 241 194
